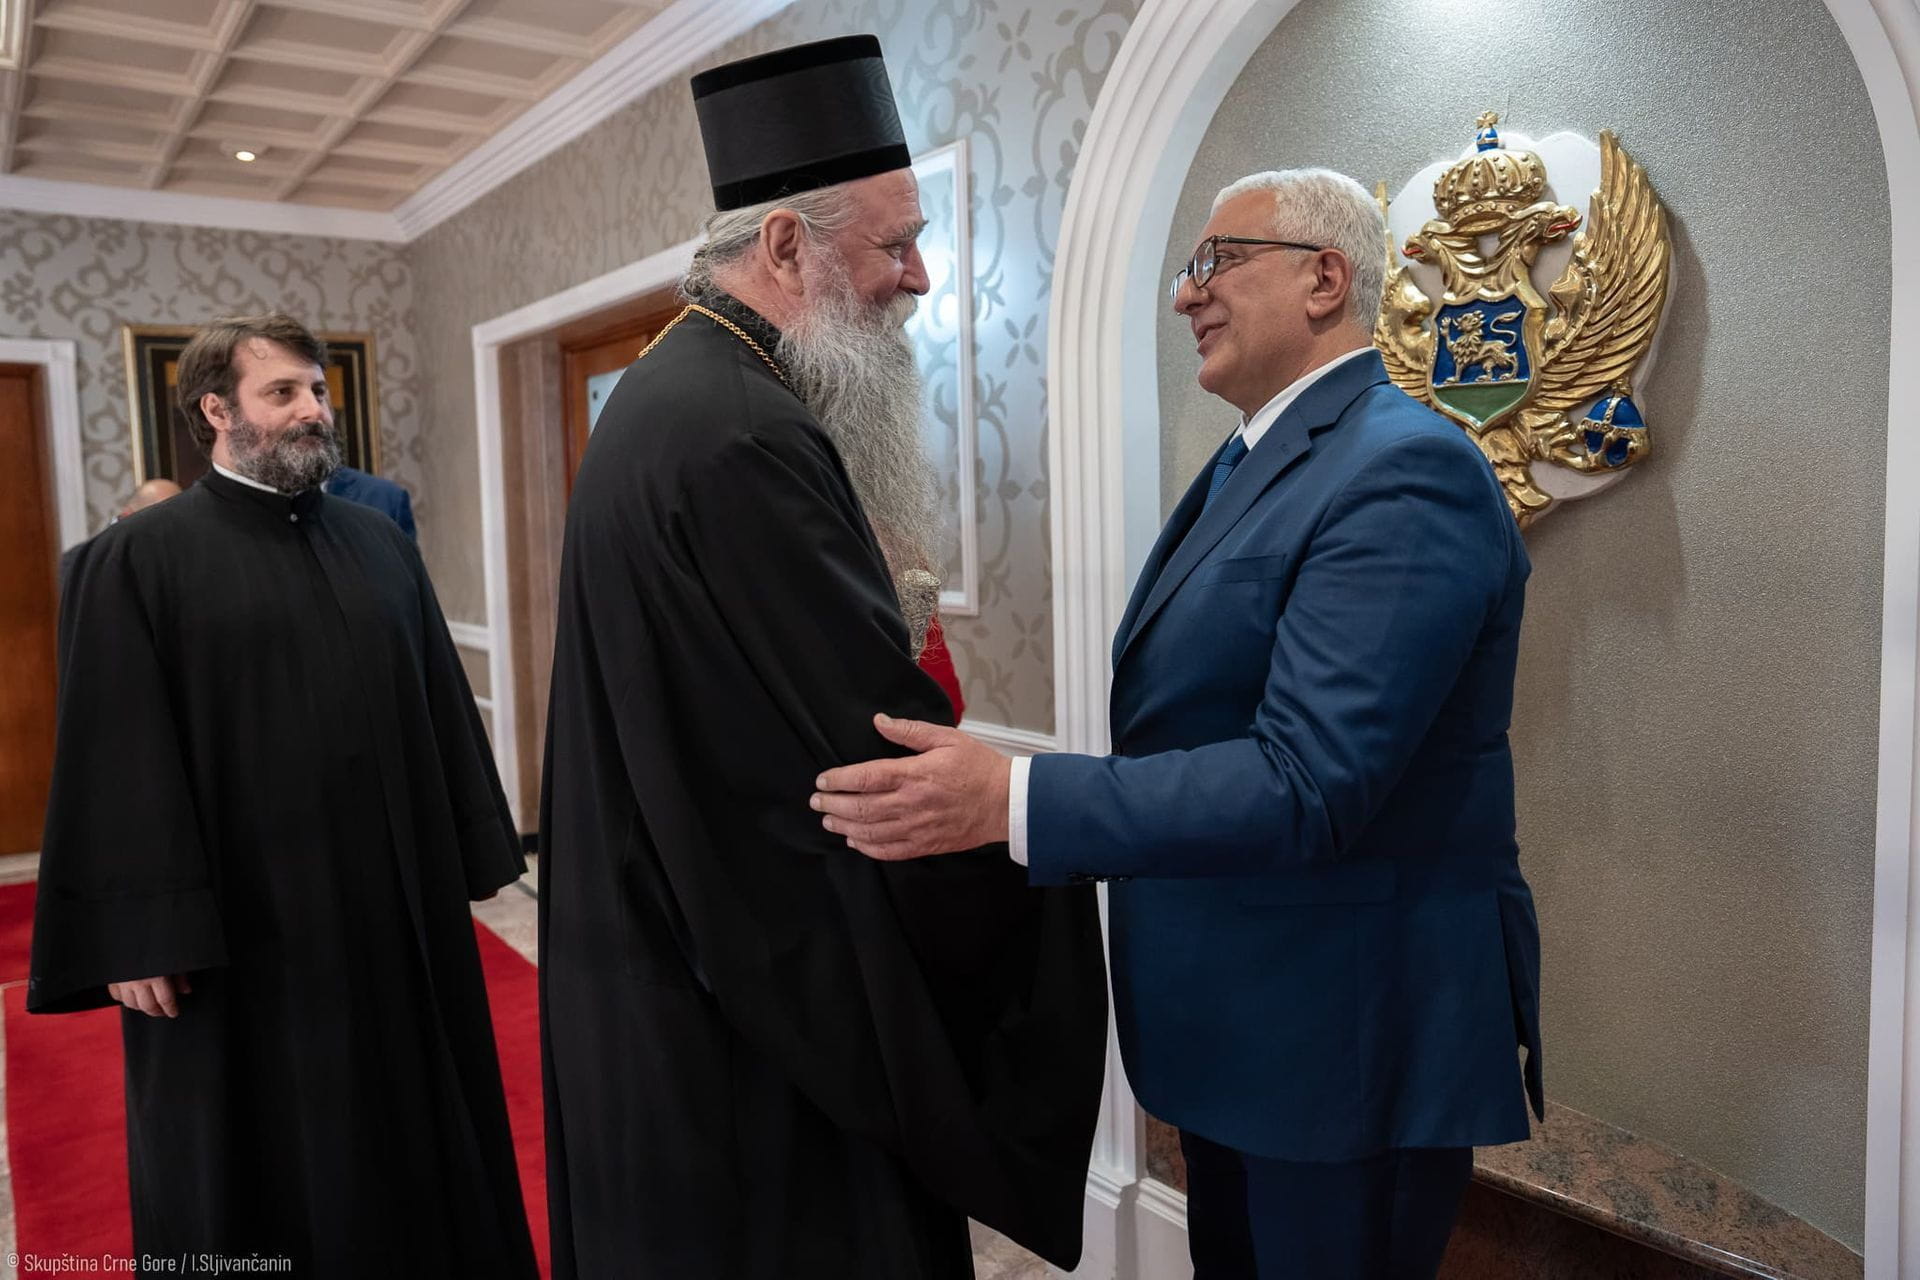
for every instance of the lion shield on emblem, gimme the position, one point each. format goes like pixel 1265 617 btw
pixel 1533 379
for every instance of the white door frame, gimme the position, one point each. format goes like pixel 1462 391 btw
pixel 59 363
pixel 631 281
pixel 1179 59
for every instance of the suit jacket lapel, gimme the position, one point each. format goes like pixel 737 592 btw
pixel 1185 512
pixel 1287 441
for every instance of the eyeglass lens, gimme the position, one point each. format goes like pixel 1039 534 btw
pixel 1199 269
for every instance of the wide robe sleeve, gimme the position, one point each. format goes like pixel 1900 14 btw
pixel 125 886
pixel 941 1008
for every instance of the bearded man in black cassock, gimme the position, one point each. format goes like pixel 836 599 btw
pixel 768 1058
pixel 272 799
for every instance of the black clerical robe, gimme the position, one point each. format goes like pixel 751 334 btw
pixel 270 776
pixel 767 1057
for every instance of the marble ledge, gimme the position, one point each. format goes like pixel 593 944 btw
pixel 1595 1173
pixel 1598 1173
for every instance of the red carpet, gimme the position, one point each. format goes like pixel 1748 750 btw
pixel 513 992
pixel 66 1117
pixel 66 1121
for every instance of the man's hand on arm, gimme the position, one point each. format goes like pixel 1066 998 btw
pixel 949 796
pixel 155 997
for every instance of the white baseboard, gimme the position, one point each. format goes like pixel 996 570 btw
pixel 1015 742
pixel 1104 1211
pixel 1136 1232
pixel 471 635
pixel 1160 1233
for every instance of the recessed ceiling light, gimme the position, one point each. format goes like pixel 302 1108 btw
pixel 246 157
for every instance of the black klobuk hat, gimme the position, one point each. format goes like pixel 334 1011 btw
pixel 797 120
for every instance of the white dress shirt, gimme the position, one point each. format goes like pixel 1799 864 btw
pixel 1250 429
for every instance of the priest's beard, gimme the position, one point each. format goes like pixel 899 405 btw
pixel 852 365
pixel 293 460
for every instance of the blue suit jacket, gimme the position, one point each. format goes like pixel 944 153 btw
pixel 1326 948
pixel 373 491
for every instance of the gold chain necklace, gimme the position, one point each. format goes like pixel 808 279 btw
pixel 730 327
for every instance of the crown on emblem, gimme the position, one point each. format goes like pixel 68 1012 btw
pixel 1493 182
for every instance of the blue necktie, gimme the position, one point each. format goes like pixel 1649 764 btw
pixel 1229 459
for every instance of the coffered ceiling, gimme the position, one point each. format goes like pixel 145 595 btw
pixel 344 104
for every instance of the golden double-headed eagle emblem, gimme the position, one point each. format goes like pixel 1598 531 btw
pixel 1532 379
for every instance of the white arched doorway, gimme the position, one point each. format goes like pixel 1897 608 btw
pixel 1179 60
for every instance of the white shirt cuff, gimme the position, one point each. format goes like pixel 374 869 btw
pixel 1017 808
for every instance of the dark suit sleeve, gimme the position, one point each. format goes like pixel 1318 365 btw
pixel 1393 591
pixel 403 513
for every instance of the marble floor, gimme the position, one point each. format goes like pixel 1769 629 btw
pixel 511 915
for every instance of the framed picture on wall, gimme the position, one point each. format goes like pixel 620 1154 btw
pixel 162 445
pixel 941 331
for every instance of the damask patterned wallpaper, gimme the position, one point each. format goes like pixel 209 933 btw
pixel 1018 80
pixel 82 278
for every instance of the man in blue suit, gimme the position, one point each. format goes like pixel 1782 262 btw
pixel 376 492
pixel 1324 954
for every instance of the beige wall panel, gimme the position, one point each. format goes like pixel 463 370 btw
pixel 474 663
pixel 1696 728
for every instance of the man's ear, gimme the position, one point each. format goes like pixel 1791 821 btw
pixel 1332 282
pixel 216 411
pixel 781 236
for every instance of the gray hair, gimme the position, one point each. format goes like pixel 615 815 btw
pixel 1322 207
pixel 732 233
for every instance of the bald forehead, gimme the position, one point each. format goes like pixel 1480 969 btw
pixel 153 491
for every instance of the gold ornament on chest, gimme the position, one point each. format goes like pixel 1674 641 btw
pixel 1543 383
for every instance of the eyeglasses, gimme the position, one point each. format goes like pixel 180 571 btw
pixel 1206 259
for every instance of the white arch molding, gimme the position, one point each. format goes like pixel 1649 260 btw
pixel 1173 70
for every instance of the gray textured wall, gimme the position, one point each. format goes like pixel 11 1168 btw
pixel 1018 80
pixel 1696 729
pixel 83 278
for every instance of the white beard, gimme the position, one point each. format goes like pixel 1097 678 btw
pixel 852 365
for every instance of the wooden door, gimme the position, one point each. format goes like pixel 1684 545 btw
pixel 592 352
pixel 28 610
